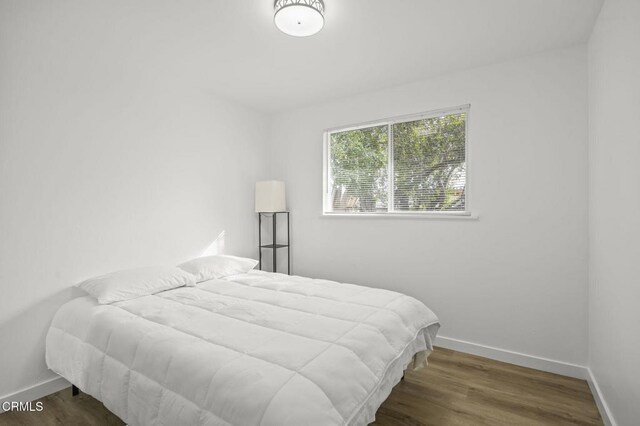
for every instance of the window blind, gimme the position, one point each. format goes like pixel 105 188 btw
pixel 417 164
pixel 429 164
pixel 359 170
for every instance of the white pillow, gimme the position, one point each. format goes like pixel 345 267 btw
pixel 132 283
pixel 210 267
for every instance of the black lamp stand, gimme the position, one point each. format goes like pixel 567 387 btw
pixel 274 246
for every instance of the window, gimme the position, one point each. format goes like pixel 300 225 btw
pixel 415 164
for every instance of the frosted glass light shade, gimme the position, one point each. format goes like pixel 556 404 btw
pixel 270 196
pixel 299 18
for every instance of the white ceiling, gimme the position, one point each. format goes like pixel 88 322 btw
pixel 231 48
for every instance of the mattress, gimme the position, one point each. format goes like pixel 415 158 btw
pixel 252 349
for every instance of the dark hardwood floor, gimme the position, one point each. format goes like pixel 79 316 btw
pixel 462 389
pixel 455 389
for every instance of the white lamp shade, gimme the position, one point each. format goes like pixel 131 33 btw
pixel 270 196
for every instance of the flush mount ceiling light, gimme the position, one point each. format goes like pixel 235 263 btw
pixel 299 18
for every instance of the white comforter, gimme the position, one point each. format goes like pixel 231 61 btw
pixel 253 349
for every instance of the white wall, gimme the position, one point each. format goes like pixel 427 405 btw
pixel 614 207
pixel 113 156
pixel 106 162
pixel 514 279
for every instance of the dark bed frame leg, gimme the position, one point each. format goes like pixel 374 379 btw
pixel 402 376
pixel 74 390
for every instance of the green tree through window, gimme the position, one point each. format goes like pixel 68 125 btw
pixel 426 173
pixel 359 169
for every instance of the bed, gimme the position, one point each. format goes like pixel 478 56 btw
pixel 256 348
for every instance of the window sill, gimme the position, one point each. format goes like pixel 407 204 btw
pixel 413 216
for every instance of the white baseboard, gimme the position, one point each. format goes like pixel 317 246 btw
pixel 37 391
pixel 605 412
pixel 523 360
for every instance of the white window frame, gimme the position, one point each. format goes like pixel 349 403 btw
pixel 466 214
